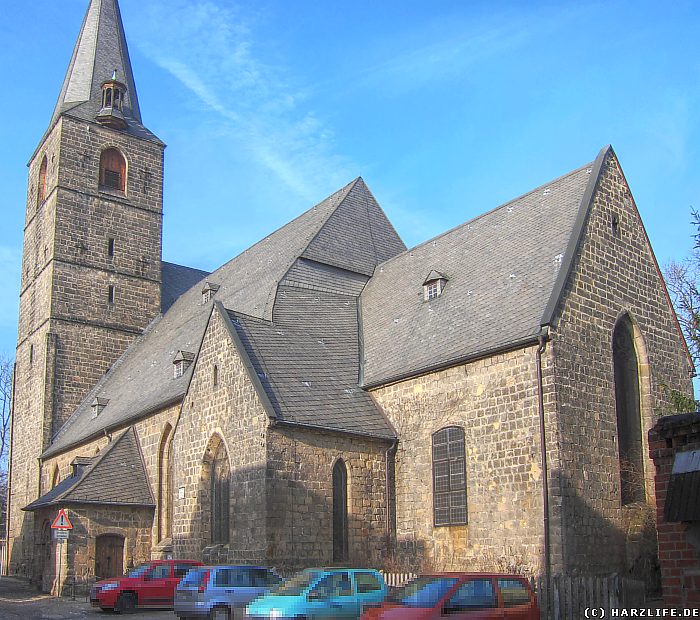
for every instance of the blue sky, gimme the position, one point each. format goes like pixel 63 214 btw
pixel 446 109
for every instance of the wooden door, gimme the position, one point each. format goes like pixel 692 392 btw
pixel 109 556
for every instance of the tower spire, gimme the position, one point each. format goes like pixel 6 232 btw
pixel 100 54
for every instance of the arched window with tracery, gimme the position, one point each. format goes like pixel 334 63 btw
pixel 41 187
pixel 165 484
pixel 449 477
pixel 112 170
pixel 628 410
pixel 220 485
pixel 340 512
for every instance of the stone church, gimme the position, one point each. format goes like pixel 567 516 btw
pixel 481 400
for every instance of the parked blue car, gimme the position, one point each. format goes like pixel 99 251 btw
pixel 320 593
pixel 217 591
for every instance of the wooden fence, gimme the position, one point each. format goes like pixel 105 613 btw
pixel 569 597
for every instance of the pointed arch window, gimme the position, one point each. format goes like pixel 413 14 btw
pixel 628 411
pixel 165 484
pixel 41 188
pixel 220 495
pixel 449 477
pixel 340 512
pixel 112 170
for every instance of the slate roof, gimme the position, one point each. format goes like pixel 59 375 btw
pixel 502 271
pixel 116 476
pixel 176 280
pixel 99 51
pixel 142 379
pixel 308 362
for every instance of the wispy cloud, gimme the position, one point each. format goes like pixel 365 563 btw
pixel 211 49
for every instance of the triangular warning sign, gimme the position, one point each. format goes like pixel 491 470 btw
pixel 62 522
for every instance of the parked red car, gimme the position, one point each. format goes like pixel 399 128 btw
pixel 148 585
pixel 472 596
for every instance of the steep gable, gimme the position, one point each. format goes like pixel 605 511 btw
pixel 357 236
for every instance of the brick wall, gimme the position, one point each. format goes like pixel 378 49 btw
pixel 613 273
pixel 679 559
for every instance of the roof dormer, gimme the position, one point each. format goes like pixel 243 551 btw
pixel 209 291
pixel 434 285
pixel 182 361
pixel 98 406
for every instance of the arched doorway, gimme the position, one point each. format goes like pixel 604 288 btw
pixel 46 558
pixel 109 556
pixel 629 414
pixel 340 512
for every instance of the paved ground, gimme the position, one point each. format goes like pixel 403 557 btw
pixel 20 601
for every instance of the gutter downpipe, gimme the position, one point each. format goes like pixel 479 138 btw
pixel 542 338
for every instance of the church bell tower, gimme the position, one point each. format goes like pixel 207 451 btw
pixel 91 268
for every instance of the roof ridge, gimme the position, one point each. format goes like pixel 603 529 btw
pixel 489 212
pixel 287 224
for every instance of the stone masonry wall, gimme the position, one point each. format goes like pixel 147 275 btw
pixel 78 554
pixel 613 273
pixel 68 334
pixel 300 498
pixel 494 401
pixel 232 412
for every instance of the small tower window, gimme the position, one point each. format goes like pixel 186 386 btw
pixel 41 190
pixel 183 360
pixel 112 170
pixel 216 376
pixel 209 291
pixel 31 354
pixel 110 247
pixel 110 294
pixel 434 285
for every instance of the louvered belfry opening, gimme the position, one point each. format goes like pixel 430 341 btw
pixel 449 477
pixel 112 170
pixel 628 410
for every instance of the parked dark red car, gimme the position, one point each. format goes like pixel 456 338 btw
pixel 472 596
pixel 148 585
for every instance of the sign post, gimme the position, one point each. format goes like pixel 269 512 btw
pixel 61 527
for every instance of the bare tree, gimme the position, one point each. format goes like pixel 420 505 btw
pixel 683 281
pixel 6 370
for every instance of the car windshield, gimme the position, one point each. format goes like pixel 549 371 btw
pixel 194 578
pixel 297 584
pixel 423 591
pixel 139 571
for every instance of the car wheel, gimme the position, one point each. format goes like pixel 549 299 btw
pixel 220 613
pixel 126 604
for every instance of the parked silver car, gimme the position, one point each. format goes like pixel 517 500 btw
pixel 216 592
